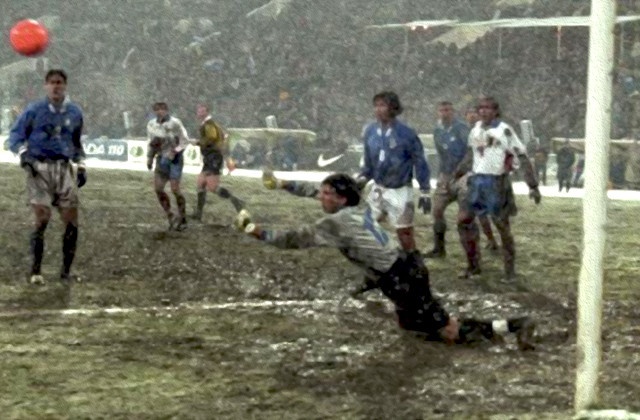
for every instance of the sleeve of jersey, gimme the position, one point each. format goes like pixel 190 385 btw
pixel 76 138
pixel 325 233
pixel 520 151
pixel 367 168
pixel 183 136
pixel 302 188
pixel 19 133
pixel 420 164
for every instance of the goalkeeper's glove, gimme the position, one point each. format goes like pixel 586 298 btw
pixel 28 163
pixel 424 202
pixel 534 194
pixel 270 181
pixel 81 176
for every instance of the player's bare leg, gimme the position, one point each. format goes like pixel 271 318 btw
pixel 406 238
pixel 485 223
pixel 42 216
pixel 159 183
pixel 469 238
pixel 69 218
pixel 508 247
pixel 440 203
pixel 181 204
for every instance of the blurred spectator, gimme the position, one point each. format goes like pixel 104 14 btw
pixel 565 157
pixel 540 157
pixel 617 167
pixel 632 174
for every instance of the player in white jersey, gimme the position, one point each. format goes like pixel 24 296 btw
pixel 400 275
pixel 493 150
pixel 167 141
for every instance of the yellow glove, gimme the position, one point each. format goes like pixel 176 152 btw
pixel 270 181
pixel 243 218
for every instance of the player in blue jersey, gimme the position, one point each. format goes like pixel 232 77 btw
pixel 392 150
pixel 46 136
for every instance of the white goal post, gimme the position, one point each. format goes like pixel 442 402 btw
pixel 597 134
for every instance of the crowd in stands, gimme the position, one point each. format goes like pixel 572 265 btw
pixel 316 65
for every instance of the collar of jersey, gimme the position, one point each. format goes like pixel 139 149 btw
pixel 63 106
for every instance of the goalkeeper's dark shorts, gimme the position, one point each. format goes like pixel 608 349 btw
pixel 406 284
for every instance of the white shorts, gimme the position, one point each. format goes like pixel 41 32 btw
pixel 394 204
pixel 53 186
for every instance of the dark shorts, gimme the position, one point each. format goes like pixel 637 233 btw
pixel 170 169
pixel 212 163
pixel 406 284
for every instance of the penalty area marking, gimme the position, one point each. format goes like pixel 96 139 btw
pixel 314 304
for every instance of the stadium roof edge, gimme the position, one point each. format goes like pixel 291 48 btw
pixel 504 23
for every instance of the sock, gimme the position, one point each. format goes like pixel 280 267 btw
pixel 235 201
pixel 472 330
pixel 501 326
pixel 202 199
pixel 37 247
pixel 182 205
pixel 69 246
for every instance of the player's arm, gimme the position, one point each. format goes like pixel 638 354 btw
pixel 322 234
pixel 20 132
pixel 225 148
pixel 299 188
pixel 78 154
pixel 18 137
pixel 423 174
pixel 76 138
pixel 530 176
pixel 465 165
pixel 367 168
pixel 183 137
pixel 153 145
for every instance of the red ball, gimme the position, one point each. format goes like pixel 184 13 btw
pixel 29 37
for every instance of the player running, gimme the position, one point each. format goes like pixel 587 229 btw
pixel 167 141
pixel 213 147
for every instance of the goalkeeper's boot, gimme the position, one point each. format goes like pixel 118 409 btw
pixel 524 329
pixel 36 279
pixel 243 218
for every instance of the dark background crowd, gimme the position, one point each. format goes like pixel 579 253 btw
pixel 315 64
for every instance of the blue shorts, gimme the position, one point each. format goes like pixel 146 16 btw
pixel 170 169
pixel 484 195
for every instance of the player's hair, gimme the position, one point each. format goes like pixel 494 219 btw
pixel 494 104
pixel 445 103
pixel 160 105
pixel 392 100
pixel 55 72
pixel 345 186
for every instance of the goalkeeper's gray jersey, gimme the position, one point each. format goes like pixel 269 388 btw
pixel 352 230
